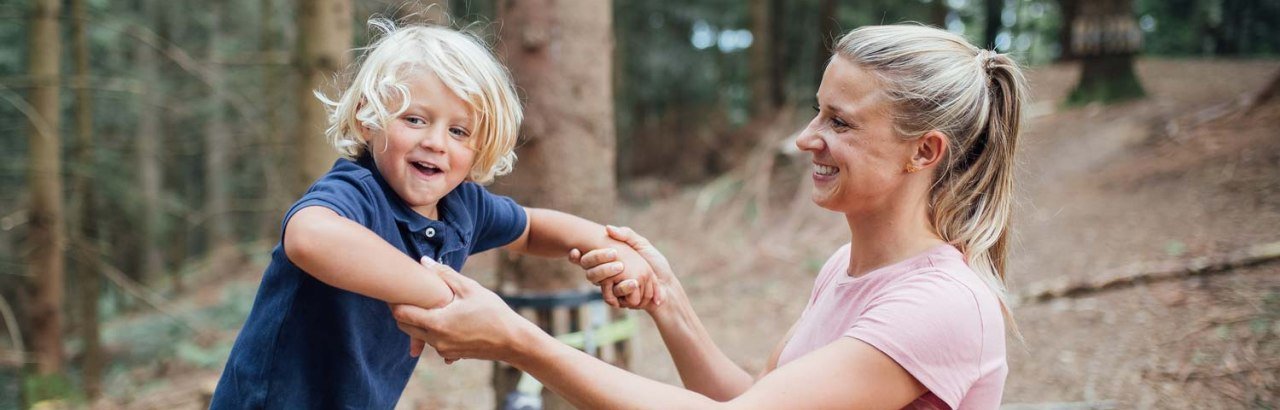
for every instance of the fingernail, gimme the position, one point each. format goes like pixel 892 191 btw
pixel 612 253
pixel 426 260
pixel 617 268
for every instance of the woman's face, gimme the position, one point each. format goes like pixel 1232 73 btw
pixel 858 160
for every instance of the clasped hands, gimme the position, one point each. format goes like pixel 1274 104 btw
pixel 477 324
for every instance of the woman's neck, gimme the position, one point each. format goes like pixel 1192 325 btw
pixel 881 238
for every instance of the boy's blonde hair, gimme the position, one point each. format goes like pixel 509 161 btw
pixel 461 61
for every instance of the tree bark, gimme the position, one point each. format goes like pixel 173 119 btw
pixel 1106 37
pixel 324 39
pixel 83 188
pixel 1067 11
pixel 151 107
pixel 938 13
pixel 558 54
pixel 217 139
pixel 45 235
pixel 828 25
pixel 424 11
pixel 274 196
pixel 994 12
pixel 766 81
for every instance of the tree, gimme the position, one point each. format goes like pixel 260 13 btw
pixel 426 11
pixel 147 148
pixel 45 235
pixel 828 32
pixel 217 140
pixel 1068 10
pixel 1105 37
pixel 554 50
pixel 323 41
pixel 89 265
pixel 766 75
pixel 994 10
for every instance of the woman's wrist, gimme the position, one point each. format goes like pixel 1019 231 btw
pixel 526 342
pixel 675 308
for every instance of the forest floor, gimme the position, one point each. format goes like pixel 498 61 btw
pixel 1184 173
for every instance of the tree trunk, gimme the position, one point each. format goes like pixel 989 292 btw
pixel 323 42
pixel 45 235
pixel 150 109
pixel 994 10
pixel 766 81
pixel 938 13
pixel 85 242
pixel 424 11
pixel 274 197
pixel 1106 37
pixel 554 50
pixel 828 27
pixel 1067 9
pixel 217 140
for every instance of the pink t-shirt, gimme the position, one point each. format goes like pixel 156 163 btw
pixel 930 313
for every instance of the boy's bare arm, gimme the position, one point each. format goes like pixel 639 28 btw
pixel 346 255
pixel 553 234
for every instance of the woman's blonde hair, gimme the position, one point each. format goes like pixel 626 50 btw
pixel 938 81
pixel 461 61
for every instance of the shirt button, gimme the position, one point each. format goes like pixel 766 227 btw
pixel 430 232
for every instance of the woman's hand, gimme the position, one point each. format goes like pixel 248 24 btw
pixel 477 324
pixel 603 263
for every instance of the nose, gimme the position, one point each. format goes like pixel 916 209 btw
pixel 809 140
pixel 435 138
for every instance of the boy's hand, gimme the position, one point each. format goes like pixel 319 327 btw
pixel 623 265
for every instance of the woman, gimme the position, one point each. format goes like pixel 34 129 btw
pixel 913 142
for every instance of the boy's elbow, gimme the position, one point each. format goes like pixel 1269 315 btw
pixel 300 237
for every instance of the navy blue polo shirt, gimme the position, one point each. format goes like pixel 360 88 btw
pixel 310 345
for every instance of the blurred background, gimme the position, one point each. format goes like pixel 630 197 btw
pixel 149 149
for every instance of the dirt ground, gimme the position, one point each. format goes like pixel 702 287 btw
pixel 1181 174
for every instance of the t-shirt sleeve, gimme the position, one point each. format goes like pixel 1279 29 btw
pixel 499 220
pixel 346 193
pixel 930 325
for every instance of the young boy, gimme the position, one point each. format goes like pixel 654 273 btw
pixel 430 115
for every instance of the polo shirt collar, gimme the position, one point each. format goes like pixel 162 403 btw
pixel 451 209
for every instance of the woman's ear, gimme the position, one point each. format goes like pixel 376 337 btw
pixel 930 149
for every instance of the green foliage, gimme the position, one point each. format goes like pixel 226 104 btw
pixel 52 387
pixel 1210 27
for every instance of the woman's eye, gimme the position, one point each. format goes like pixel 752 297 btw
pixel 839 123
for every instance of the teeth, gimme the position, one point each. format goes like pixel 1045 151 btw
pixel 825 170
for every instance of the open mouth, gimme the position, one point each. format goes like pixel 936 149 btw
pixel 426 168
pixel 824 170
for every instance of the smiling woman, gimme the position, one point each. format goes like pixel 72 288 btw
pixel 913 143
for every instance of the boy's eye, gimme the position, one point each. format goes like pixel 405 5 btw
pixel 459 132
pixel 415 120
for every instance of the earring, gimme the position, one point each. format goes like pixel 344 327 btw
pixel 911 168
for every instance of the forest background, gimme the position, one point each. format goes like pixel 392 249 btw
pixel 148 150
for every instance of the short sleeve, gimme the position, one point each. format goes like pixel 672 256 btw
pixel 931 325
pixel 499 220
pixel 347 193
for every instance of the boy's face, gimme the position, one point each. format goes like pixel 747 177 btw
pixel 426 151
